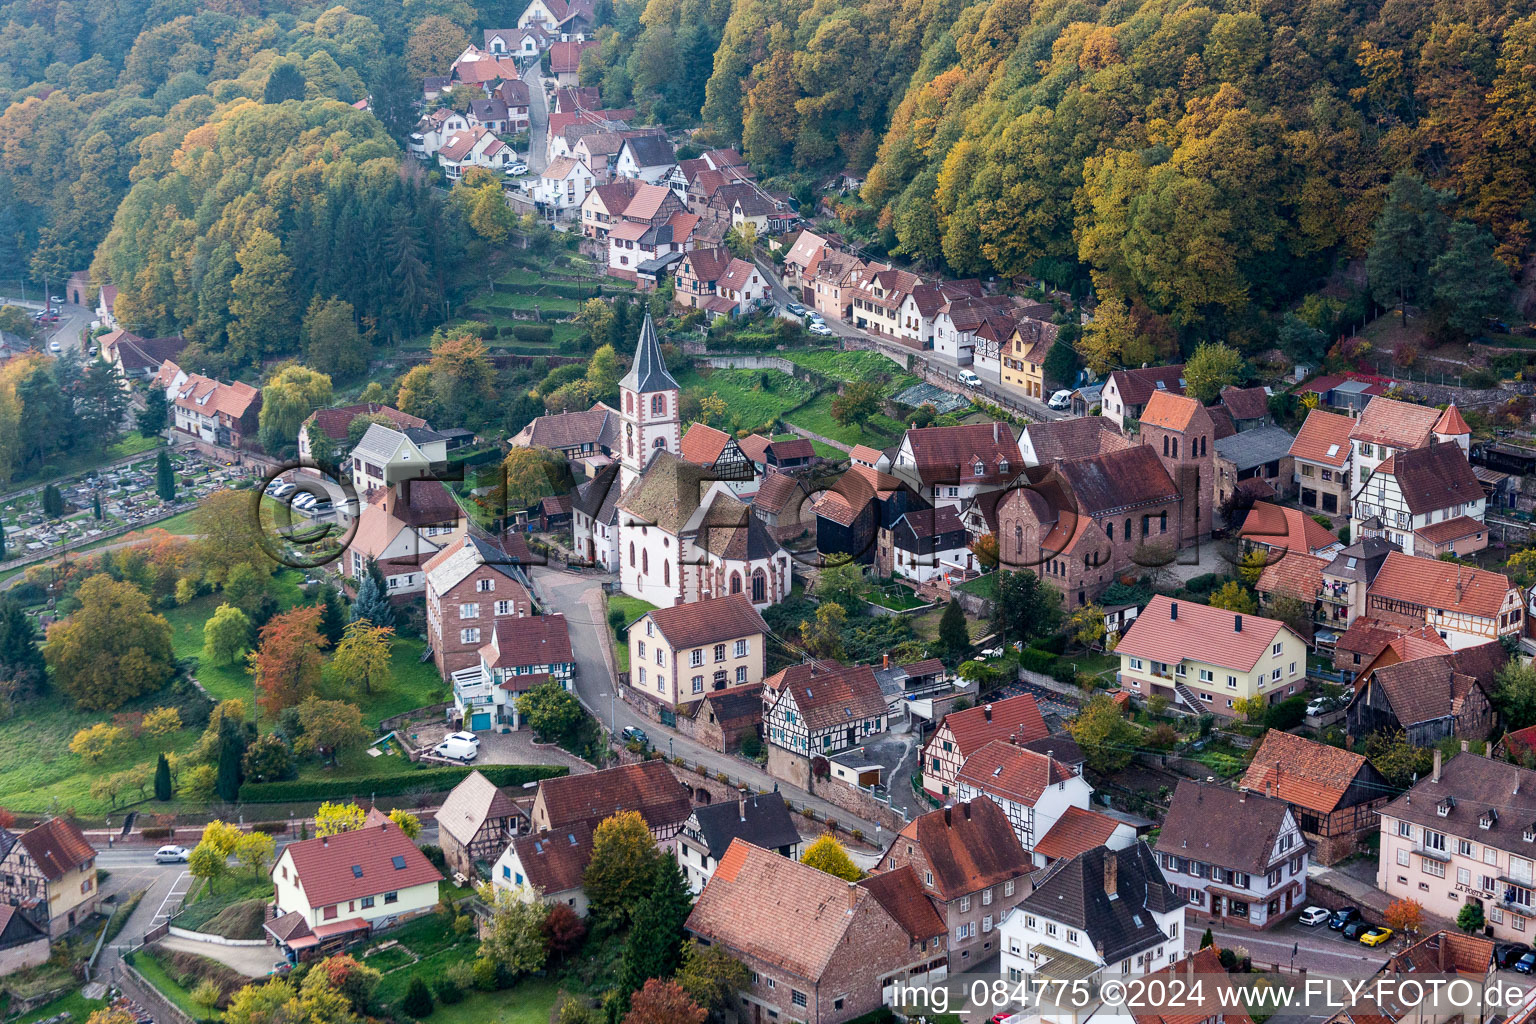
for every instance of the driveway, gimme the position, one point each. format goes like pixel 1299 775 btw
pixel 897 752
pixel 509 748
pixel 251 961
pixel 580 599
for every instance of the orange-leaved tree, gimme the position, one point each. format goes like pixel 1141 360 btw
pixel 287 663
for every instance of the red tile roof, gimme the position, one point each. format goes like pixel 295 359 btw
pixel 554 862
pixel 1448 530
pixel 1076 831
pixel 1311 775
pixel 1003 769
pixel 1170 411
pixel 1281 529
pixel 969 847
pixel 1199 630
pixel 518 642
pixel 334 422
pixel 58 847
pixel 565 58
pixel 648 787
pixel 1245 403
pixel 709 264
pixel 975 727
pixel 902 896
pixel 1395 424
pixel 1448 586
pixel 1296 574
pixel 707 622
pixel 1324 438
pixel 828 694
pixel 1137 386
pixel 948 454
pixel 703 444
pixel 776 493
pixel 1451 423
pixel 363 862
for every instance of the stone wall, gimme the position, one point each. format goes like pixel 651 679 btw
pixel 857 801
pixel 789 767
pixel 28 954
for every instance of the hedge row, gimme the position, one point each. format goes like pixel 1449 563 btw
pixel 427 780
pixel 741 342
pixel 531 332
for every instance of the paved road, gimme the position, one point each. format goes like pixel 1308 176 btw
pixel 538 117
pixel 73 320
pixel 1039 410
pixel 580 599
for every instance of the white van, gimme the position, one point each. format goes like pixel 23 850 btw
pixel 456 748
pixel 969 379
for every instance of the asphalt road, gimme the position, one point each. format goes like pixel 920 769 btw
pixel 579 597
pixel 73 320
pixel 538 118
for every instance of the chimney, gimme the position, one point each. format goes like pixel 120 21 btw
pixel 853 896
pixel 987 710
pixel 1173 609
pixel 1269 787
pixel 741 804
pixel 325 842
pixel 947 815
pixel 1438 758
pixel 1242 795
pixel 966 809
pixel 885 661
pixel 1237 623
pixel 1111 872
pixel 994 431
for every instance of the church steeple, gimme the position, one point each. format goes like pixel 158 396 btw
pixel 649 399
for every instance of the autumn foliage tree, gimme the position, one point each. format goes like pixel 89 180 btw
pixel 663 1002
pixel 288 659
pixel 113 649
pixel 1404 916
pixel 362 657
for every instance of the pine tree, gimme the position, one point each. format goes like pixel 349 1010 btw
pixel 53 502
pixel 152 418
pixel 333 617
pixel 165 479
pixel 96 504
pixel 1207 940
pixel 162 779
pixel 2 540
pixel 372 603
pixel 954 638
pixel 654 948
pixel 231 752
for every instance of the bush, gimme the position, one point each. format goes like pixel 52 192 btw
pixel 448 990
pixel 485 974
pixel 1287 714
pixel 157 833
pixel 435 855
pixel 1036 660
pixel 418 999
pixel 271 828
pixel 424 780
pixel 1206 583
pixel 542 333
pixel 1228 959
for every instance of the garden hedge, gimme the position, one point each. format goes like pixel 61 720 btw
pixel 533 332
pixel 431 780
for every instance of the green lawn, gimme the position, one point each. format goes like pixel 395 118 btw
pixel 529 1003
pixel 206 903
pixel 816 417
pixel 893 596
pixel 852 366
pixel 523 300
pixel 222 682
pixel 155 973
pixel 982 586
pixel 754 399
pixel 633 608
pixel 78 1007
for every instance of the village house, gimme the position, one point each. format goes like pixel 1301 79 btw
pixel 834 278
pixel 333 424
pixel 725 718
pixel 208 410
pixel 958 321
pixel 816 948
pixel 931 544
pixel 401 528
pixel 434 130
pixel 595 520
pixel 563 184
pixel 1127 392
pixel 857 514
pixel 1102 913
pixel 1081 524
pixel 515 42
pixel 738 290
pixel 798 260
pixel 1279 530
pixel 1463 834
pixel 1333 793
pixel 648 788
pixel 1208 659
pixel 470 582
pixel 474 824
pixel 1248 407
pixel 971 865
pixel 567 130
pixel 1025 353
pixel 719 452
pixel 962 733
pixel 49 871
pixel 878 298
pixel 1425 500
pixel 1299 576
pixel 1080 437
pixel 1347 578
pixel 514 96
pixel 1322 451
pixel 762 820
pixel 547 867
pixel 331 890
pixel 782 456
pixel 990 342
pixel 385 457
pixel 565 60
pixel 951 465
pixel 138 358
pixel 604 207
pixel 699 274
pixel 476 146
pixel 1033 789
pixel 1250 873
pixel 679 654
pixel 1465 605
pixel 919 310
pixel 1370 644
pixel 23 942
pixel 1078 831
pixel 599 150
pixel 1387 427
pixel 648 158
pixel 520 654
pixel 575 435
pixel 562 19
pixel 1430 698
pixel 491 114
pixel 1259 458
pixel 818 709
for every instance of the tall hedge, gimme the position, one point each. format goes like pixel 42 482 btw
pixel 427 780
pixel 533 332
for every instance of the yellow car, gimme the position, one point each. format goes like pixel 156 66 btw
pixel 1375 936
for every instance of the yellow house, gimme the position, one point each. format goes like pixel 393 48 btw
pixel 332 890
pixel 51 866
pixel 1208 658
pixel 681 654
pixel 1024 356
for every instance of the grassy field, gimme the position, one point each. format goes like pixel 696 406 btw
pixel 529 1003
pixel 526 301
pixel 222 681
pixel 633 608
pixel 853 366
pixel 76 1005
pixel 982 586
pixel 155 973
pixel 754 399
pixel 816 417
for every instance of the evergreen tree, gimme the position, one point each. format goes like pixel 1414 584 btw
pixel 393 95
pixel 654 947
pixel 333 616
pixel 2 540
pixel 954 638
pixel 165 479
pixel 22 673
pixel 372 602
pixel 96 504
pixel 284 82
pixel 231 753
pixel 162 779
pixel 152 418
pixel 1407 236
pixel 1469 283
pixel 1207 940
pixel 53 502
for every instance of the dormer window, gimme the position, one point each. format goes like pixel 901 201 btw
pixel 1489 819
pixel 1002 465
pixel 1444 807
pixel 978 469
pixel 1529 835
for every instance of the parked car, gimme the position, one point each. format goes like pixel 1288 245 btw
pixel 634 734
pixel 281 967
pixel 1526 964
pixel 820 330
pixel 518 168
pixel 1061 400
pixel 467 737
pixel 1342 917
pixel 1313 916
pixel 1354 930
pixel 304 500
pixel 57 300
pixel 795 308
pixel 1375 936
pixel 969 379
pixel 55 347
pixel 456 750
pixel 1506 954
pixel 171 855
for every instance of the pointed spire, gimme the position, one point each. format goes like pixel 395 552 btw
pixel 648 373
pixel 1451 423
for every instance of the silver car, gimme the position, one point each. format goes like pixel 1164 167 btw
pixel 171 855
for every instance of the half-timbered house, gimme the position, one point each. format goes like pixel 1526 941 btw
pixel 962 733
pixel 475 823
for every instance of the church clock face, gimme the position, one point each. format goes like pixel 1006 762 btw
pixel 629 428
